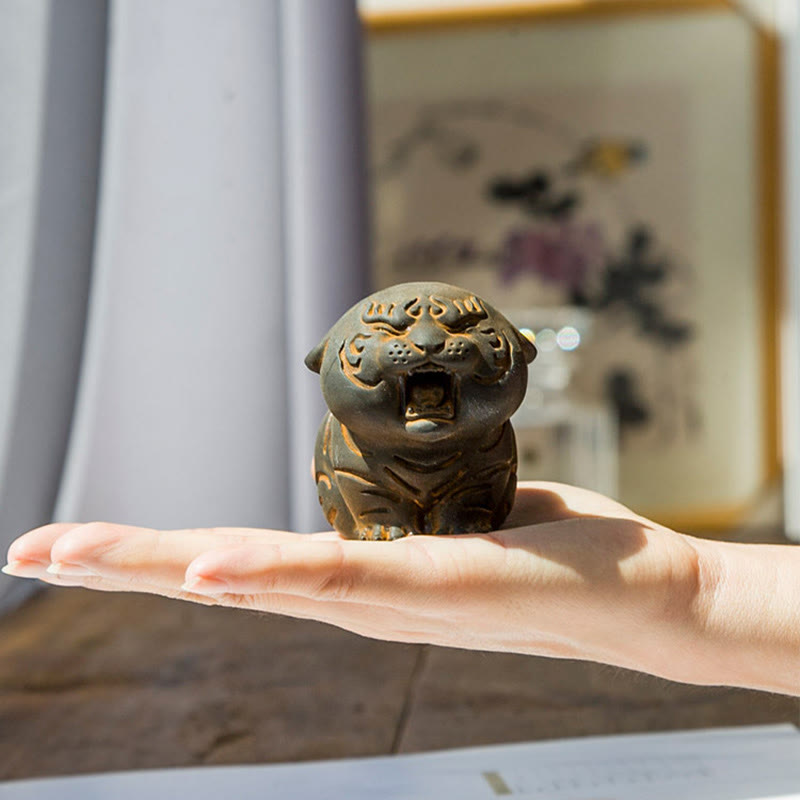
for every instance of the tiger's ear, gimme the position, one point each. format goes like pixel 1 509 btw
pixel 314 359
pixel 526 339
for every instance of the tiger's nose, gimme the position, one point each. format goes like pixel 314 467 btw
pixel 428 345
pixel 427 336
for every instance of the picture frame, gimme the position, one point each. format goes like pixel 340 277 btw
pixel 471 106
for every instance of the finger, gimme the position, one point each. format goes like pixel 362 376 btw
pixel 297 607
pixel 34 547
pixel 365 620
pixel 142 555
pixel 30 569
pixel 288 606
pixel 416 572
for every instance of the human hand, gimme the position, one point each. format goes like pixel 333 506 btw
pixel 572 574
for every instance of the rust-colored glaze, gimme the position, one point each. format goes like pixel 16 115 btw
pixel 421 380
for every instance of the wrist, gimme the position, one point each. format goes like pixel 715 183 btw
pixel 741 626
pixel 654 619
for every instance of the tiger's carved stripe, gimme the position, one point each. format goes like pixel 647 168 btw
pixel 413 490
pixel 369 511
pixel 326 436
pixel 384 492
pixel 350 371
pixel 351 445
pixel 426 468
pixel 391 314
pixel 503 362
pixel 355 476
pixel 446 487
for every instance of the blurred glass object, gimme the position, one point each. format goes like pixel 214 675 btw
pixel 560 435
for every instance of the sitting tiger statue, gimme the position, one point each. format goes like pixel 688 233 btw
pixel 421 380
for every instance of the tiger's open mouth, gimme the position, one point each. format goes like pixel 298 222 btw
pixel 428 392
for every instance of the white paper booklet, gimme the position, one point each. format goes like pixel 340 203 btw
pixel 747 763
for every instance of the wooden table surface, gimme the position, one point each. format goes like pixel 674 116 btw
pixel 94 681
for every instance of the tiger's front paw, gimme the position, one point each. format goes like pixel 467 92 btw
pixel 385 533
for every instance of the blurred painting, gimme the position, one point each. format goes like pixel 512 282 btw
pixel 609 166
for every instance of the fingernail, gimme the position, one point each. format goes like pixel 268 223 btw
pixel 201 585
pixel 23 569
pixel 70 570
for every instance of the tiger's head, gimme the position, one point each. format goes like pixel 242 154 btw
pixel 422 362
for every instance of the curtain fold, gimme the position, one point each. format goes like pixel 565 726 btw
pixel 229 234
pixel 181 409
pixel 325 191
pixel 53 65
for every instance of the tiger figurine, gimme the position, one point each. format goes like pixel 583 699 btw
pixel 421 380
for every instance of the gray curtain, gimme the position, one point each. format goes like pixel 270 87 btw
pixel 198 222
pixel 790 342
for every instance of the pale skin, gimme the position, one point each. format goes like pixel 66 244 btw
pixel 572 575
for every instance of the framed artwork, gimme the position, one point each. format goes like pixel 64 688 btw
pixel 621 158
